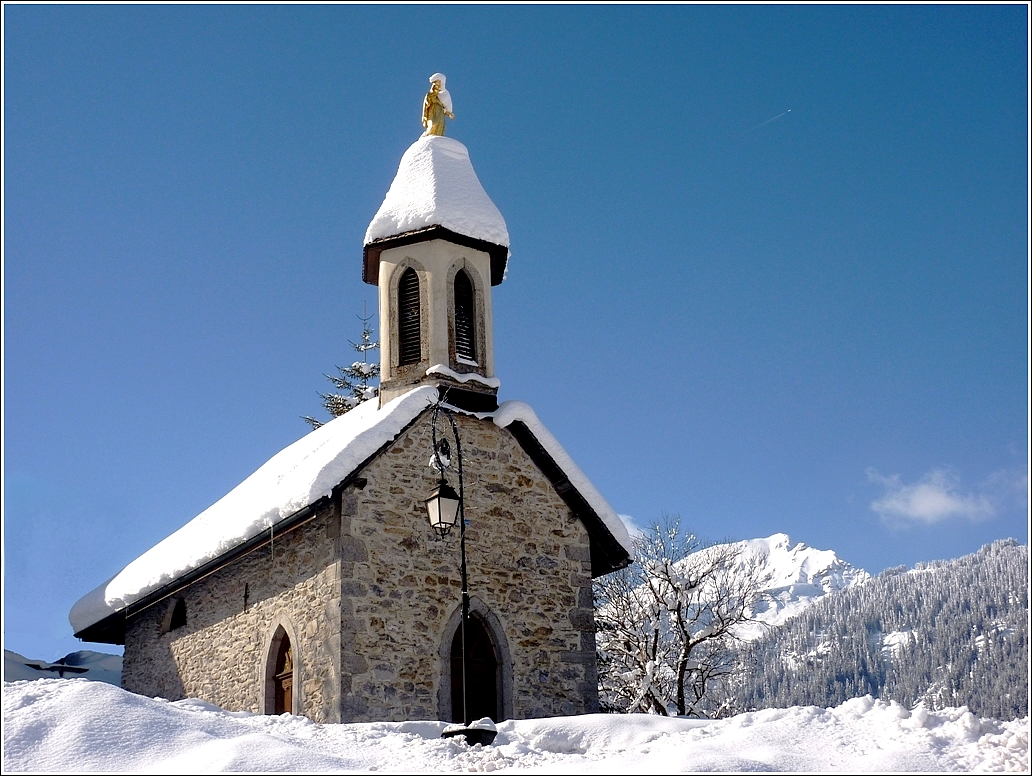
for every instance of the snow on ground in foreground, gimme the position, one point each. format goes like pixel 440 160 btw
pixel 78 725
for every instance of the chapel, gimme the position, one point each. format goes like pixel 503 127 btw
pixel 318 586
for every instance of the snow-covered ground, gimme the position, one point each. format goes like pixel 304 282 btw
pixel 78 725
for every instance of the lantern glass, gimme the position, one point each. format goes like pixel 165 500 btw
pixel 443 508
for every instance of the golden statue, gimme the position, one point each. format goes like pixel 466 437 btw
pixel 436 105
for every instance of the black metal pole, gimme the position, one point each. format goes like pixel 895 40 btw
pixel 462 552
pixel 462 543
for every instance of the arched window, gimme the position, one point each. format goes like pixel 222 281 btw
pixel 465 318
pixel 482 677
pixel 178 615
pixel 408 318
pixel 175 616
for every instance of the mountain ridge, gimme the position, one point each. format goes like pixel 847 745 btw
pixel 946 633
pixel 794 577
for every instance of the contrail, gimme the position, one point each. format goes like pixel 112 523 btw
pixel 762 123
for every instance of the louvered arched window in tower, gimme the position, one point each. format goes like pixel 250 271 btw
pixel 465 318
pixel 408 318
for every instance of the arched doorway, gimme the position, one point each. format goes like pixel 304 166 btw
pixel 283 678
pixel 482 677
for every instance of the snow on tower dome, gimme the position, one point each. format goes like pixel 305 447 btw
pixel 437 186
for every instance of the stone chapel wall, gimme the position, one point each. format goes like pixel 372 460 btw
pixel 367 592
pixel 220 655
pixel 528 561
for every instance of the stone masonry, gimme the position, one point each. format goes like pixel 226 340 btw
pixel 220 655
pixel 528 561
pixel 368 594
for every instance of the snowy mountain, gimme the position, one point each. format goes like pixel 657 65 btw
pixel 797 576
pixel 98 666
pixel 947 633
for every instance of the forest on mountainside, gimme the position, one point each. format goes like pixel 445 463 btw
pixel 946 633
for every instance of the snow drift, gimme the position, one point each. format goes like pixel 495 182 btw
pixel 76 725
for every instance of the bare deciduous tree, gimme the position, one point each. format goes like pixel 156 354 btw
pixel 666 624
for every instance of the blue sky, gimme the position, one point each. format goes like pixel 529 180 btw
pixel 816 324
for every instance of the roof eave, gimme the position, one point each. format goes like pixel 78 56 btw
pixel 607 554
pixel 371 251
pixel 111 630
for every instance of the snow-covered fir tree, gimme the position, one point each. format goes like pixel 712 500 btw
pixel 354 384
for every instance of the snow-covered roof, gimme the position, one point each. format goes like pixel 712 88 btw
pixel 291 480
pixel 295 477
pixel 437 186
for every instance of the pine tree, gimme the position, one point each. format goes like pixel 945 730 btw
pixel 959 635
pixel 352 383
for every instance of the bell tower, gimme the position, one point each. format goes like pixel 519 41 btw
pixel 435 248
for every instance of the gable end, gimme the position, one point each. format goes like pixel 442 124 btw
pixel 607 554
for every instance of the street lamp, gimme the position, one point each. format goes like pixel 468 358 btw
pixel 444 508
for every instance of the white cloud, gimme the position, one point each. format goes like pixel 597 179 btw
pixel 936 497
pixel 1010 487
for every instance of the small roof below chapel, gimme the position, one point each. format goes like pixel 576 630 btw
pixel 437 193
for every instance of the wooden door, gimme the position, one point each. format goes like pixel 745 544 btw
pixel 481 673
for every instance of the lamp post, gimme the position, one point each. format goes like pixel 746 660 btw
pixel 444 508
